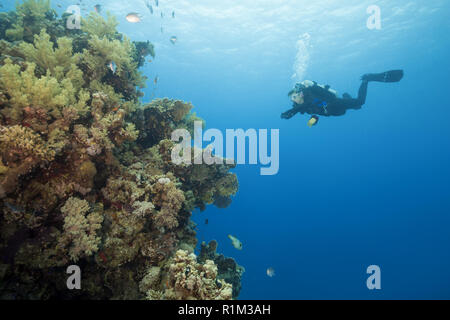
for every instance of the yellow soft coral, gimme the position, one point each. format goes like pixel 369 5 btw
pixel 24 89
pixel 17 142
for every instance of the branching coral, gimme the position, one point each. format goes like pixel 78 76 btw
pixel 21 150
pixel 80 228
pixel 170 200
pixel 18 143
pixel 189 280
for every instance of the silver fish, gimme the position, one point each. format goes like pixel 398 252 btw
pixel 134 17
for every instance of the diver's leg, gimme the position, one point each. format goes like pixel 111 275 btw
pixel 362 93
pixel 349 103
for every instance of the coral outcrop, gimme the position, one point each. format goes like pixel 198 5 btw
pixel 227 268
pixel 189 280
pixel 86 175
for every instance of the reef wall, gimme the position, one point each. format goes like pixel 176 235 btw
pixel 85 171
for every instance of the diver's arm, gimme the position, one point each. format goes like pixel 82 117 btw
pixel 290 113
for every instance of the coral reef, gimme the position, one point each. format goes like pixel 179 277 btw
pixel 86 175
pixel 227 268
pixel 190 280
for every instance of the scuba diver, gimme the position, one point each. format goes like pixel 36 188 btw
pixel 314 99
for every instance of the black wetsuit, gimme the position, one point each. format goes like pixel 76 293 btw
pixel 320 101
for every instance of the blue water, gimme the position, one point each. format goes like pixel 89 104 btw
pixel 371 187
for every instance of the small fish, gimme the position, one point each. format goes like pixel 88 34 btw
pixel 235 242
pixel 59 6
pixel 156 2
pixel 112 66
pixel 270 272
pixel 98 8
pixel 206 221
pixel 173 14
pixel 156 80
pixel 149 60
pixel 134 17
pixel 173 39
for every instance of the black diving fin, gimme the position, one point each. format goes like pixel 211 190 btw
pixel 388 76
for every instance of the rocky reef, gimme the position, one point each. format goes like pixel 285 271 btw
pixel 86 176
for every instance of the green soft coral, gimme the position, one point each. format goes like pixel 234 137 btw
pixel 32 16
pixel 59 61
pixel 101 54
pixel 96 25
